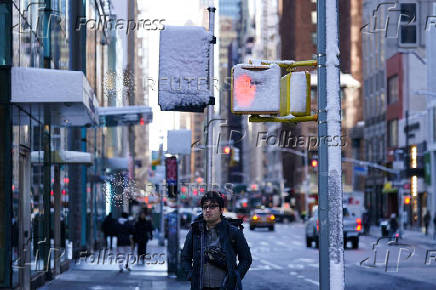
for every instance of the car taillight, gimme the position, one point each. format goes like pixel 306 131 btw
pixel 359 224
pixel 317 225
pixel 272 217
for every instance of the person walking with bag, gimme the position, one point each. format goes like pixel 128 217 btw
pixel 211 248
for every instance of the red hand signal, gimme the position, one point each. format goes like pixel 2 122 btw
pixel 244 91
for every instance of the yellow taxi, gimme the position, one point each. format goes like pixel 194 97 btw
pixel 262 219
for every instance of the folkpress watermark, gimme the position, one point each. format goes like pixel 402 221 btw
pixel 107 23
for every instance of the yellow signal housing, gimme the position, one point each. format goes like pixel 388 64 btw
pixel 285 83
pixel 295 96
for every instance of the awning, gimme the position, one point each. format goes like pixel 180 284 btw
pixel 63 157
pixel 116 163
pixel 65 96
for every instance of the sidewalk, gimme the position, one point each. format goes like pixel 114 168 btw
pixel 414 237
pixel 85 274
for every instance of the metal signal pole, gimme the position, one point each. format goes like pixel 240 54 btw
pixel 331 247
pixel 210 107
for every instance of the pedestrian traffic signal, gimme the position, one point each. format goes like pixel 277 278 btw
pixel 227 150
pixel 295 94
pixel 255 89
pixel 407 199
pixel 314 163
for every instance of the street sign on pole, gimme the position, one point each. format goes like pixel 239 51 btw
pixel 179 141
pixel 171 175
pixel 184 68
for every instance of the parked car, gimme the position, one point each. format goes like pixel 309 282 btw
pixel 352 229
pixel 262 219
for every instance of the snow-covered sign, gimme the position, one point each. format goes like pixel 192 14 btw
pixel 184 68
pixel 179 141
pixel 255 89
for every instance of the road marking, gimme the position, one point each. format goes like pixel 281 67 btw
pixel 304 260
pixel 311 281
pixel 274 266
pixel 314 265
pixel 293 273
pixel 296 266
pixel 260 267
pixel 281 243
pixel 300 276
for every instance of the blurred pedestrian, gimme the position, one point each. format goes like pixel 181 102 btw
pixel 427 219
pixel 108 228
pixel 434 226
pixel 393 224
pixel 211 247
pixel 124 232
pixel 143 233
pixel 365 221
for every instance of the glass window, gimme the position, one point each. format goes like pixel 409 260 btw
pixel 314 19
pixel 408 23
pixel 393 133
pixel 393 91
pixel 314 38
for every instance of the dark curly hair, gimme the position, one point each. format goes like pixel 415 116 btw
pixel 212 196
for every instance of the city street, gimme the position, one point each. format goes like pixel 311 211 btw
pixel 123 123
pixel 280 261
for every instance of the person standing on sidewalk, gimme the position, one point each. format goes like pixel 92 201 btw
pixel 108 229
pixel 143 233
pixel 211 247
pixel 124 242
pixel 427 219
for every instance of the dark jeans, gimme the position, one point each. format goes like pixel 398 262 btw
pixel 142 248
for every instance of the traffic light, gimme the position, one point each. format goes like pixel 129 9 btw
pixel 227 150
pixel 255 89
pixel 314 163
pixel 407 199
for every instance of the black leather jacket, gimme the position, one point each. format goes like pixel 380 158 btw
pixel 232 242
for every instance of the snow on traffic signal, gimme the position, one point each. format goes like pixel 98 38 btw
pixel 255 89
pixel 295 94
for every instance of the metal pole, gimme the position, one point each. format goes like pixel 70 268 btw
pixel 57 219
pixel 162 224
pixel 331 248
pixel 306 184
pixel 210 107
